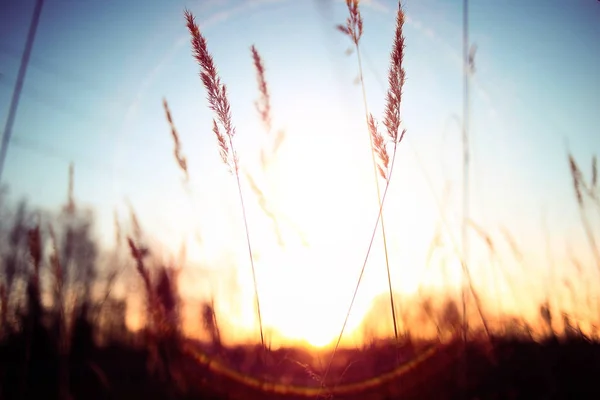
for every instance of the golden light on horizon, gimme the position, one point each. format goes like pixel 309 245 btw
pixel 310 215
pixel 310 219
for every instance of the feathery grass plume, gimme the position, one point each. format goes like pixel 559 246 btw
pixel 580 187
pixel 118 232
pixel 380 149
pixel 216 93
pixel 223 146
pixel 263 104
pixel 70 207
pixel 577 177
pixel 396 78
pixel 181 160
pixel 354 22
pixel 219 104
pixel 354 29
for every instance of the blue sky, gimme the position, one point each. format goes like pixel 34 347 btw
pixel 99 71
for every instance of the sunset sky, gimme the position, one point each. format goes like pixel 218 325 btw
pixel 100 68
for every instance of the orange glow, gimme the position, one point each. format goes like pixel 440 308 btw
pixel 310 245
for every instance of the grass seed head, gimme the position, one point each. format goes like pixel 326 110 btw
pixel 263 105
pixel 396 79
pixel 577 178
pixel 181 160
pixel 216 91
pixel 379 147
pixel 354 23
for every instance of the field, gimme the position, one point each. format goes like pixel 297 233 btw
pixel 518 369
pixel 64 332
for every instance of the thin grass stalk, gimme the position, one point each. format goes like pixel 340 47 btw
pixel 263 104
pixel 591 188
pixel 379 199
pixel 362 271
pixel 262 338
pixel 455 245
pixel 263 107
pixel 465 144
pixel 431 188
pixel 354 30
pixel 219 104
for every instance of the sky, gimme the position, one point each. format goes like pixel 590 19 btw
pixel 100 69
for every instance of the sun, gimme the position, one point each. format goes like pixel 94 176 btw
pixel 323 209
pixel 322 203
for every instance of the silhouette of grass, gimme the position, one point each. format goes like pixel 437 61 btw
pixel 219 104
pixel 51 320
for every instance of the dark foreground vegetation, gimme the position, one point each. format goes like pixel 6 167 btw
pixel 63 336
pixel 31 367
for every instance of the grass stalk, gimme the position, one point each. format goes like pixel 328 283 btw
pixel 362 271
pixel 353 29
pixel 219 104
pixel 392 121
pixel 465 144
pixel 581 187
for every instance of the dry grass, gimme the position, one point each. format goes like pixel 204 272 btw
pixel 354 30
pixel 354 22
pixel 380 148
pixel 179 157
pixel 263 104
pixel 160 283
pixel 263 107
pixel 219 104
pixel 584 189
